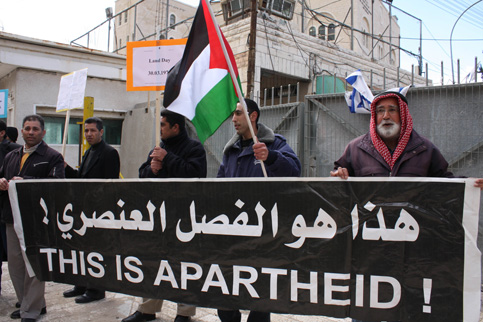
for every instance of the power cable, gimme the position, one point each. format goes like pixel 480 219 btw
pixel 437 42
pixel 444 8
pixel 297 44
pixel 266 37
pixel 437 39
pixel 328 4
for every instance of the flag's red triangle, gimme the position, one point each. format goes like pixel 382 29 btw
pixel 217 59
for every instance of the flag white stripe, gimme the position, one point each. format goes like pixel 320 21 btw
pixel 198 81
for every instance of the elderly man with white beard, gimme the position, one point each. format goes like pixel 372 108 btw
pixel 392 148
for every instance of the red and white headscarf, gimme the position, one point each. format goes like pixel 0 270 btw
pixel 406 128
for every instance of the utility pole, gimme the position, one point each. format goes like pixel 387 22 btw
pixel 302 29
pixel 352 24
pixel 420 47
pixel 252 49
pixel 390 31
pixel 372 31
pixel 109 16
pixel 167 18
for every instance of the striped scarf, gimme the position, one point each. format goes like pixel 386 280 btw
pixel 406 129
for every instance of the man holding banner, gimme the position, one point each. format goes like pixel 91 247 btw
pixel 100 161
pixel 5 147
pixel 178 157
pixel 392 147
pixel 243 158
pixel 36 160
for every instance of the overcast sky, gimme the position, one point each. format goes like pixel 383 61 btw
pixel 65 20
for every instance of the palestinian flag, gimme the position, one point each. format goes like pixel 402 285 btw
pixel 199 86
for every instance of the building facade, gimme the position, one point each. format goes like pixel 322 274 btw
pixel 31 70
pixel 299 49
pixel 357 25
pixel 315 48
pixel 150 20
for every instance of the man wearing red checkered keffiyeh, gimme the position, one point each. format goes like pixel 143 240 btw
pixel 392 147
pixel 391 125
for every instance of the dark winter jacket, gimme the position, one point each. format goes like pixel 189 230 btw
pixel 420 158
pixel 239 162
pixel 44 163
pixel 186 158
pixel 104 163
pixel 6 147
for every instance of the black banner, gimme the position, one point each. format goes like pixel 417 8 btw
pixel 387 249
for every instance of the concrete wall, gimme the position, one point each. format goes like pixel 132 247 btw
pixel 138 137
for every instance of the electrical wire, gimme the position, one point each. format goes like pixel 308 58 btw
pixel 456 10
pixel 268 44
pixel 437 39
pixel 296 43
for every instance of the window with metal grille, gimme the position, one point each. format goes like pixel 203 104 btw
pixel 322 31
pixel 283 8
pixel 331 32
pixel 172 20
pixel 312 31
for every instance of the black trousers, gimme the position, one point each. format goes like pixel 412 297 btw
pixel 235 316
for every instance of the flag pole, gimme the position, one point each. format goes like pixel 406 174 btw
pixel 234 80
pixel 157 125
pixel 66 131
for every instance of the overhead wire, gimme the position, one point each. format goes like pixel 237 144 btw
pixel 296 43
pixel 456 11
pixel 444 5
pixel 327 4
pixel 313 14
pixel 438 39
pixel 268 44
pixel 459 6
pixel 302 51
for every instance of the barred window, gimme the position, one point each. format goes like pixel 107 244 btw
pixel 54 130
pixel 331 32
pixel 322 31
pixel 172 20
pixel 312 31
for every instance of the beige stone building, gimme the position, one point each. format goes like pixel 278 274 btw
pixel 315 47
pixel 345 23
pixel 149 19
pixel 299 49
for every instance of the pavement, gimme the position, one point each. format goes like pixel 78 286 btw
pixel 117 306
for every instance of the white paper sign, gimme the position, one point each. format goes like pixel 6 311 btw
pixel 153 63
pixel 148 63
pixel 72 90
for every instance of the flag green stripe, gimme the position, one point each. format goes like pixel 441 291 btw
pixel 214 108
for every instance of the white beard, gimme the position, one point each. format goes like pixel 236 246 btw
pixel 391 133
